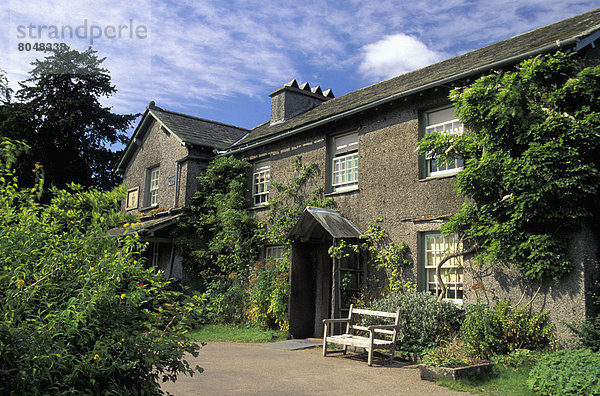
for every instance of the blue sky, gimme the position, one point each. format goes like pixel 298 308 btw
pixel 221 59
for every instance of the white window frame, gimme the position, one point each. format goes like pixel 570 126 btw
pixel 435 247
pixel 449 126
pixel 344 162
pixel 261 175
pixel 275 252
pixel 153 184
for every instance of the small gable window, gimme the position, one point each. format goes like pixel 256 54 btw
pixel 344 162
pixel 444 121
pixel 260 183
pixel 132 198
pixel 152 186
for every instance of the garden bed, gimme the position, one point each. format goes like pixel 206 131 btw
pixel 432 373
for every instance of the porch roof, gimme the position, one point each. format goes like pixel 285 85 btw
pixel 314 221
pixel 146 227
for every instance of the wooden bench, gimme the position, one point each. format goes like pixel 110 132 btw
pixel 367 341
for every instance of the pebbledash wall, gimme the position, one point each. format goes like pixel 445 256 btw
pixel 391 184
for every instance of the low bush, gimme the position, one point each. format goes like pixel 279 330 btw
pixel 588 333
pixel 424 322
pixel 517 358
pixel 571 372
pixel 499 329
pixel 454 354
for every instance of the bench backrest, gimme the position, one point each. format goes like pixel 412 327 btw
pixel 395 316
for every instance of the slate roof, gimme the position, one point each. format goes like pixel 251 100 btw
pixel 146 226
pixel 187 129
pixel 198 131
pixel 563 34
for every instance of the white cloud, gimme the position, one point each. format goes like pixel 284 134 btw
pixel 395 55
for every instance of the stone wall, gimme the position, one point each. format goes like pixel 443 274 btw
pixel 391 185
pixel 158 148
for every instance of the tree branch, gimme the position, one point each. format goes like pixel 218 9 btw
pixel 443 261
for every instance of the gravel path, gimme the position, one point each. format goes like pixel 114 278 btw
pixel 255 369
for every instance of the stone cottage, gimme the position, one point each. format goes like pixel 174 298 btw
pixel 364 146
pixel 164 157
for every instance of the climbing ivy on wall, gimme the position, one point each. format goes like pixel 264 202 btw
pixel 532 169
pixel 386 254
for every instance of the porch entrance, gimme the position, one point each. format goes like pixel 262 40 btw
pixel 316 279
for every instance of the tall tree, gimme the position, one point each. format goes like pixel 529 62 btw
pixel 59 114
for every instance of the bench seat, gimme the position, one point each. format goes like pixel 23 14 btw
pixel 371 341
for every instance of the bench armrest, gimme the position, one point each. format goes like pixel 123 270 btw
pixel 340 320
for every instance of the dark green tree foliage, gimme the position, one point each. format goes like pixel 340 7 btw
pixel 532 170
pixel 59 114
pixel 79 313
pixel 220 237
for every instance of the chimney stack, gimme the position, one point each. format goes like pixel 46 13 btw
pixel 293 99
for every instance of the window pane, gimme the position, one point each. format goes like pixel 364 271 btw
pixel 260 187
pixel 436 247
pixel 444 121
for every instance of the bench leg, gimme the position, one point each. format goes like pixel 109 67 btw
pixel 370 361
pixel 325 333
pixel 345 349
pixel 393 350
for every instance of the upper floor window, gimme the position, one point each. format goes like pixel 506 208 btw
pixel 344 162
pixel 436 246
pixel 260 183
pixel 152 186
pixel 444 121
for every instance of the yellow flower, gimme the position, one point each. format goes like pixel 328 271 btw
pixel 122 339
pixel 96 356
pixel 21 282
pixel 118 279
pixel 126 225
pixel 178 342
pixel 122 296
pixel 91 268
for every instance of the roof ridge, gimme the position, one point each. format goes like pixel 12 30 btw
pixel 196 118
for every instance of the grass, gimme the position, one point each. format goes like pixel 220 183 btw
pixel 501 381
pixel 237 334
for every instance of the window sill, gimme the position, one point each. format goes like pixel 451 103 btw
pixel 435 177
pixel 258 207
pixel 147 208
pixel 342 192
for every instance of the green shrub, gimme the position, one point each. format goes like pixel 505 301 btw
pixel 500 329
pixel 424 322
pixel 588 333
pixel 225 301
pixel 454 354
pixel 517 358
pixel 572 372
pixel 79 313
pixel 269 291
